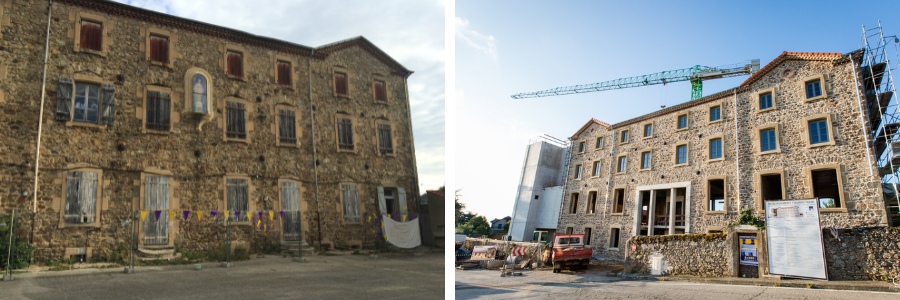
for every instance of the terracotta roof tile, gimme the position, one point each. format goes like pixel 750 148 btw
pixel 785 56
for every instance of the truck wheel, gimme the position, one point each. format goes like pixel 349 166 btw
pixel 556 267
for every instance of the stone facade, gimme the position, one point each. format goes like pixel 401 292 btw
pixel 195 153
pixel 710 258
pixel 846 153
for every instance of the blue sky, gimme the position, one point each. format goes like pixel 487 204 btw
pixel 507 47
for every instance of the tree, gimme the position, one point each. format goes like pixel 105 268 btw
pixel 479 225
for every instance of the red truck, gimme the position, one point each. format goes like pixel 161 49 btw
pixel 569 250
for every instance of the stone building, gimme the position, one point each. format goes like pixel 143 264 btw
pixel 147 111
pixel 792 130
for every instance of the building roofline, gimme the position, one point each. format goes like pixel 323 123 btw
pixel 685 105
pixel 368 46
pixel 588 125
pixel 785 56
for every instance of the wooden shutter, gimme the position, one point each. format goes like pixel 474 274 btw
pixel 159 49
pixel 283 72
pixel 235 64
pixel 380 92
pixel 63 98
pixel 340 83
pixel 91 35
pixel 108 104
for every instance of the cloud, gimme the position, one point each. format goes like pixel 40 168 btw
pixel 475 39
pixel 410 31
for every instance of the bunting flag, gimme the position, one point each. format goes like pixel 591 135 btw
pixel 249 215
pixel 212 214
pixel 258 222
pixel 237 215
pixel 143 215
pixel 271 215
pixel 199 215
pixel 187 213
pixel 172 215
pixel 281 212
pixel 259 215
pixel 226 214
pixel 403 218
pixel 265 228
pixel 157 212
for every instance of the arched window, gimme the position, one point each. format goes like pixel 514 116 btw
pixel 199 94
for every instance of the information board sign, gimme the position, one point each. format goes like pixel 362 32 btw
pixel 748 251
pixel 794 239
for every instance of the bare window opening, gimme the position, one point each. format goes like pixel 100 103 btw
pixel 770 187
pixel 645 208
pixel 587 236
pixel 573 205
pixel 614 238
pixel 570 230
pixel 592 202
pixel 619 204
pixel 535 197
pixel 716 195
pixel 826 189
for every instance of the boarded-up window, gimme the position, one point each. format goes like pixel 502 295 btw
pixel 287 129
pixel 380 91
pixel 91 35
pixel 159 49
pixel 238 195
pixel 283 72
pixel 158 104
pixel 351 203
pixel 345 134
pixel 235 64
pixel 235 118
pixel 340 84
pixel 385 143
pixel 81 197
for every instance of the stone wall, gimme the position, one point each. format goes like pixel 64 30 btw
pixel 534 251
pixel 864 253
pixel 709 255
pixel 195 153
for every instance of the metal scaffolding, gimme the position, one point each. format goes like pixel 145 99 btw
pixel 877 82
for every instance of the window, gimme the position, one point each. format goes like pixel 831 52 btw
pixel 592 202
pixel 765 101
pixel 813 88
pixel 90 103
pixel 599 143
pixel 645 160
pixel 681 154
pixel 578 172
pixel 767 140
pixel 380 91
pixel 235 64
pixel 818 131
pixel 716 193
pixel 682 122
pixel 770 188
pixel 287 127
pixel 81 197
pixel 345 134
pixel 620 167
pixel 715 113
pixel 283 72
pixel 393 200
pixel 596 169
pixel 156 197
pixel 350 200
pixel 570 230
pixel 614 238
pixel 159 49
pixel 91 35
pixel 573 204
pixel 648 130
pixel 587 236
pixel 158 108
pixel 623 137
pixel 581 147
pixel 87 103
pixel 385 142
pixel 238 195
pixel 619 203
pixel 826 187
pixel 199 95
pixel 340 84
pixel 235 120
pixel 715 148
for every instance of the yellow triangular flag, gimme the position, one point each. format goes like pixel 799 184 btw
pixel 271 215
pixel 403 219
pixel 199 215
pixel 172 215
pixel 143 215
pixel 257 223
pixel 227 213
pixel 249 216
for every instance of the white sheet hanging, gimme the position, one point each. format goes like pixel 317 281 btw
pixel 402 234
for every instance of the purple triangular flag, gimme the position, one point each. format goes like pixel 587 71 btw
pixel 157 214
pixel 237 215
pixel 259 215
pixel 412 216
pixel 281 212
pixel 213 213
pixel 187 213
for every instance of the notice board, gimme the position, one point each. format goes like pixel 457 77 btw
pixel 794 239
pixel 748 251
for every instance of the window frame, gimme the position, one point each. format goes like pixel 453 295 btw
pixel 588 234
pixel 105 38
pixel 829 126
pixel 595 168
pixel 651 127
pixel 142 113
pixel 708 194
pixel 393 137
pixel 573 203
pixel 93 80
pixel 359 204
pixel 808 79
pixel 621 165
pixel 174 203
pixel 757 185
pixel 578 170
pixel 709 110
pixel 353 133
pixel 148 50
pixel 687 121
pixel 687 153
pixel 581 146
pixel 276 126
pixel 839 172
pixel 649 164
pixel 100 203
pixel 290 71
pixel 618 210
pixel 334 82
pixel 758 138
pixel 624 136
pixel 592 202
pixel 598 143
pixel 251 193
pixel 760 93
pixel 618 238
pixel 378 78
pixel 245 72
pixel 248 119
pixel 709 141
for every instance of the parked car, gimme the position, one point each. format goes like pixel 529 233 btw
pixel 569 250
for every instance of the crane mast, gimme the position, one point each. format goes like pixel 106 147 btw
pixel 695 75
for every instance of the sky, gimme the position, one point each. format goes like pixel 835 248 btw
pixel 508 47
pixel 410 31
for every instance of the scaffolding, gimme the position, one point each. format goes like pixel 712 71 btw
pixel 883 115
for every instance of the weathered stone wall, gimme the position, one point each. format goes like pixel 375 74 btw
pixel 709 256
pixel 863 253
pixel 194 153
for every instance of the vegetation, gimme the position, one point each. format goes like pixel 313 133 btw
pixel 469 223
pixel 746 217
pixel 22 250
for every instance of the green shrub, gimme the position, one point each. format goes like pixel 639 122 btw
pixel 22 249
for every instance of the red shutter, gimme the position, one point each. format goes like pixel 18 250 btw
pixel 91 36
pixel 380 93
pixel 159 49
pixel 284 73
pixel 340 83
pixel 235 64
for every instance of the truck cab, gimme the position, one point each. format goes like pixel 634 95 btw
pixel 569 250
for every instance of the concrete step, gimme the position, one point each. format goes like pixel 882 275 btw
pixel 291 247
pixel 156 252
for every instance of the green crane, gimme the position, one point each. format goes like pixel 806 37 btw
pixel 696 75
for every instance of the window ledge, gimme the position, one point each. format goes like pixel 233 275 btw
pixel 623 143
pixel 80 225
pixel 91 51
pixel 597 176
pixel 84 124
pixel 617 214
pixel 342 96
pixel 245 141
pixel 157 132
pixel 601 148
pixel 645 170
pixel 286 145
pixel 714 122
pixel 681 129
pixel 620 173
pixel 612 249
pixel 161 64
pixel 238 78
pixel 819 97
pixel 387 154
pixel 351 151
pixel 715 212
pixel 771 152
pixel 716 159
pixel 829 143
pixel 648 137
pixel 765 110
pixel 382 102
pixel 681 165
pixel 289 87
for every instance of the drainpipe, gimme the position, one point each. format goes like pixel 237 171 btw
pixel 312 125
pixel 37 153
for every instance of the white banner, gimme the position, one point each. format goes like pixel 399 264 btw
pixel 402 234
pixel 794 239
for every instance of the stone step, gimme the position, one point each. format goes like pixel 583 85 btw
pixel 156 252
pixel 163 257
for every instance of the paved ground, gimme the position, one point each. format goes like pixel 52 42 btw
pixel 321 277
pixel 598 284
